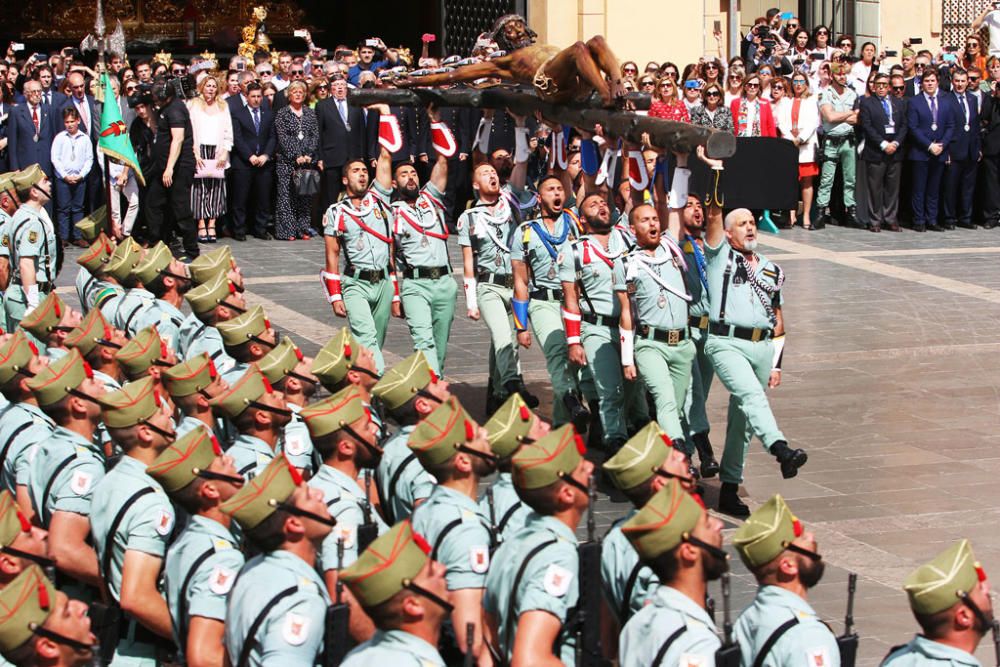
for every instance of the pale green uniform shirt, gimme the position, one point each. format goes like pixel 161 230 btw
pixel 743 307
pixel 618 561
pixel 491 233
pixel 923 652
pixel 412 224
pixel 509 513
pixel 644 636
pixel 24 429
pixel 33 236
pixel 360 248
pixel 397 648
pixel 167 319
pixel 412 484
pixel 809 642
pixel 657 305
pixel 195 337
pixel 129 309
pixel 464 549
pixel 596 275
pixel 346 500
pixel 250 455
pixel 540 250
pixel 64 474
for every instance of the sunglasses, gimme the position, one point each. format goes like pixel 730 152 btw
pixel 666 85
pixel 712 93
pixel 899 89
pixel 323 86
pixel 711 66
pixel 131 89
pixel 176 71
pixel 972 45
pixel 781 88
pixel 793 26
pixel 648 83
pixel 822 32
pixel 799 82
pixel 631 69
pixel 751 85
pixel 298 71
pixel 266 72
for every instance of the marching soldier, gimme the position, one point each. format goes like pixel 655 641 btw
pixel 132 520
pixel 344 362
pixel 192 386
pixel 121 310
pixel 359 227
pixel 247 338
pixel 405 591
pixel 49 323
pixel 276 608
pixel 202 563
pixel 675 536
pixel 64 474
pixel 745 343
pixel 93 288
pixel 287 370
pixel 456 452
pixel 216 301
pixel 165 277
pixel 779 628
pixel 420 234
pixel 513 425
pixel 98 343
pixel 951 599
pixel 533 582
pixel 147 355
pixel 34 246
pixel 410 391
pixel 8 207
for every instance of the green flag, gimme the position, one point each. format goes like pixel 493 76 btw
pixel 114 141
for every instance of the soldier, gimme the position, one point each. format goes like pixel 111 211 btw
pixel 93 287
pixel 259 414
pixel 410 390
pixel 533 583
pixel 359 227
pixel 132 520
pixel 247 338
pixel 676 537
pixel 49 323
pixel 63 475
pixel 287 369
pixel 42 626
pixel 951 599
pixel 779 627
pixel 513 425
pixel 21 543
pixel 202 563
pixel 206 266
pixel 98 343
pixel 146 355
pixel 538 294
pixel 193 385
pixel 406 593
pixel 122 310
pixel 456 452
pixel 347 439
pixel 647 462
pixel 277 606
pixel 8 207
pixel 745 343
pixel 33 247
pixel 165 277
pixel 420 234
pixel 344 362
pixel 218 300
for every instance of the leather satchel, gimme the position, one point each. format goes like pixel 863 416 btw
pixel 306 182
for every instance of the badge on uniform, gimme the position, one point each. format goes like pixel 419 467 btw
pixel 295 445
pixel 221 580
pixel 32 237
pixel 164 522
pixel 81 482
pixel 693 660
pixel 347 533
pixel 557 580
pixel 295 630
pixel 818 657
pixel 5 240
pixel 378 212
pixel 479 559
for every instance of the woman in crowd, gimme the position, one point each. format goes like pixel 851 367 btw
pixel 737 64
pixel 692 94
pixel 845 44
pixel 319 89
pixel 781 89
pixel 821 42
pixel 752 116
pixel 232 84
pixel 269 90
pixel 666 103
pixel 669 69
pixel 799 122
pixel 629 69
pixel 974 53
pixel 212 131
pixel 712 112
pixel 800 49
pixel 711 71
pixel 647 84
pixel 862 70
pixel 142 133
pixel 734 86
pixel 298 137
pixel 766 75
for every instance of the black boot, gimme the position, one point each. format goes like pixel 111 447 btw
pixel 730 503
pixel 823 220
pixel 851 218
pixel 790 459
pixel 595 435
pixel 518 387
pixel 579 416
pixel 709 466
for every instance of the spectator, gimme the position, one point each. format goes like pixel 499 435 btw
pixel 319 90
pixel 31 129
pixel 766 75
pixel 72 160
pixel 297 73
pixel 668 69
pixel 692 94
pixel 284 75
pixel 297 139
pixel 734 86
pixel 711 71
pixel 647 84
pixel 367 51
pixel 90 122
pixel 845 44
pixel 862 70
pixel 712 112
pixel 821 42
pixel 232 85
pixel 883 120
pixel 341 138
pixel 142 133
pixel 264 72
pixel 144 70
pixel 665 103
pixel 931 123
pixel 976 87
pixel 752 116
pixel 737 64
pixel 974 53
pixel 652 68
pixel 780 90
pixel 990 17
pixel 798 121
pixel 963 155
pixel 991 157
pixel 270 91
pixel 252 172
pixel 898 86
pixel 629 70
pixel 836 107
pixel 212 126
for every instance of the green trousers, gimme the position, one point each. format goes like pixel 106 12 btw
pixel 494 308
pixel 701 382
pixel 369 306
pixel 547 326
pixel 846 157
pixel 429 306
pixel 666 372
pixel 744 368
pixel 618 400
pixel 14 305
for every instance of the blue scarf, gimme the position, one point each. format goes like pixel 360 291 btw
pixel 699 260
pixel 550 241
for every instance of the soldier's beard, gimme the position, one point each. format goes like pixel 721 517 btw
pixel 409 192
pixel 810 572
pixel 714 567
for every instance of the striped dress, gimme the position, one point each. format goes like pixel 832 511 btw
pixel 213 134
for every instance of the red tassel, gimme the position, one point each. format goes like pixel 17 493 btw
pixel 298 354
pixel 267 323
pixel 25 524
pixel 213 372
pixel 267 385
pixel 470 431
pixel 33 348
pixel 525 413
pixel 216 447
pixel 434 377
pixel 108 249
pixel 56 309
pixel 980 572
pixel 294 472
pixel 580 446
pixel 43 595
pixel 88 371
pixel 347 350
pixel 232 287
pixel 797 528
pixel 422 543
pixel 666 440
pixel 157 399
pixel 698 499
pixel 163 349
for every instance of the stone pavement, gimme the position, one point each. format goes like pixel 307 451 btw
pixel 890 384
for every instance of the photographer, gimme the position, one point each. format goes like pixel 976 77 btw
pixel 990 17
pixel 367 51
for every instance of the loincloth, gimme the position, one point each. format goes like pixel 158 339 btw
pixel 544 84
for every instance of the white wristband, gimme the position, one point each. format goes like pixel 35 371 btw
pixel 628 346
pixel 471 302
pixel 31 294
pixel 334 298
pixel 679 188
pixel 521 150
pixel 483 135
pixel 779 349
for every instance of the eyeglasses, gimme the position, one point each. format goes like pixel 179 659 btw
pixel 799 82
pixel 298 71
pixel 793 26
pixel 751 85
pixel 735 78
pixel 712 93
pixel 711 66
pixel 774 88
pixel 323 86
pixel 666 85
pixel 131 89
pixel 822 32
pixel 631 69
pixel 973 79
pixel 177 71
pixel 972 45
pixel 919 66
pixel 265 72
pixel 899 89
pixel 648 83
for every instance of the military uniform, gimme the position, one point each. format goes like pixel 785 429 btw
pixel 365 237
pixel 63 475
pixel 124 258
pixel 27 602
pixel 241 329
pixel 923 652
pixel 32 237
pixel 145 350
pixel 346 502
pixel 128 309
pixel 6 185
pixel 506 512
pixel 628 584
pixel 668 612
pixel 507 429
pixel 90 289
pixel 195 336
pixel 295 443
pixel 164 315
pixel 394 647
pixel 23 428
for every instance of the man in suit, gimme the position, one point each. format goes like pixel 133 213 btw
pixel 50 95
pixel 90 125
pixel 31 127
pixel 341 137
pixel 924 63
pixel 883 121
pixel 253 149
pixel 931 122
pixel 963 154
pixel 991 157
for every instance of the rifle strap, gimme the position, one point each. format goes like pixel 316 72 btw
pixel 625 606
pixel 182 605
pixel 391 487
pixel 255 626
pixel 773 639
pixel 507 516
pixel 512 604
pixel 443 534
pixel 109 541
pixel 10 440
pixel 578 264
pixel 725 286
pixel 666 646
pixel 52 480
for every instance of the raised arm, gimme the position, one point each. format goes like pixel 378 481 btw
pixel 500 67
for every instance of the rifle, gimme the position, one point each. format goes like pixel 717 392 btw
pixel 367 531
pixel 588 628
pixel 338 618
pixel 728 654
pixel 996 640
pixel 848 642
pixel 470 640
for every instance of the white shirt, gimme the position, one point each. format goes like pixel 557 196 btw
pixel 72 155
pixel 992 21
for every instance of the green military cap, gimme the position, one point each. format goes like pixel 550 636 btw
pixel 280 361
pixel 97 257
pixel 336 358
pixel 509 426
pixel 25 179
pixel 261 496
pixel 134 403
pixel 55 382
pixel 179 464
pixel 156 260
pixel 639 458
pixel 15 355
pixel 662 523
pixel 210 264
pixel 250 387
pixel 89 334
pixel 126 256
pixel 243 327
pixel 189 377
pixel 139 354
pixel 7 182
pixel 25 604
pixel 439 435
pixel 333 413
pixel 908 52
pixel 401 382
pixel 206 296
pixel 939 584
pixel 12 521
pixel 545 462
pixel 767 532
pixel 45 317
pixel 94 224
pixel 388 565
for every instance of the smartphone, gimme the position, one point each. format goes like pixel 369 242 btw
pixel 717 26
pixel 240 65
pixel 949 58
pixel 428 37
pixel 371 42
pixel 891 53
pixel 916 40
pixel 17 46
pixel 692 84
pixel 787 15
pixel 951 49
pixel 302 33
pixel 817 56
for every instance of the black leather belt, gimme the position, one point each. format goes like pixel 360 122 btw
pixel 600 320
pixel 668 336
pixel 368 275
pixel 849 138
pixel 743 333
pixel 430 272
pixel 546 294
pixel 698 322
pixel 503 280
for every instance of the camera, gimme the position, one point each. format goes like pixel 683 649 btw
pixel 891 53
pixel 761 30
pixel 142 95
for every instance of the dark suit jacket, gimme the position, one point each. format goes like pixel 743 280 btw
pixel 944 84
pixel 964 145
pixel 94 130
pixel 873 122
pixel 919 122
pixel 58 100
pixel 990 119
pixel 246 140
pixel 337 144
pixel 23 150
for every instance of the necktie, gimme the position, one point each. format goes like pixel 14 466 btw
pixel 34 119
pixel 84 115
pixel 934 109
pixel 888 109
pixel 256 120
pixel 343 113
pixel 965 109
pixel 48 97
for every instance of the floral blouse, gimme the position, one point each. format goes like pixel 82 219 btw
pixel 720 119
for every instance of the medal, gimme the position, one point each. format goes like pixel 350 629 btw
pixel 552 272
pixel 498 261
pixel 934 127
pixel 423 241
pixel 966 127
pixel 662 301
pixel 360 245
pixel 300 136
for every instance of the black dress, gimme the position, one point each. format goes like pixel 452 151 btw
pixel 297 136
